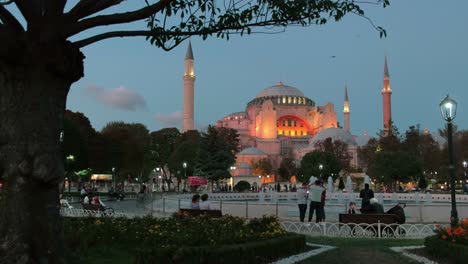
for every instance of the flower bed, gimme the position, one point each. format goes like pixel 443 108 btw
pixel 174 240
pixel 449 243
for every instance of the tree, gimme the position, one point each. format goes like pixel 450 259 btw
pixel 40 58
pixel 422 183
pixel 129 148
pixel 287 168
pixel 338 149
pixel 310 165
pixel 162 146
pixel 217 153
pixel 186 150
pixel 391 167
pixel 262 167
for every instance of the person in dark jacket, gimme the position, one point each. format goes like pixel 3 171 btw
pixel 366 194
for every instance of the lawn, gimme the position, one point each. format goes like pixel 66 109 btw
pixel 361 250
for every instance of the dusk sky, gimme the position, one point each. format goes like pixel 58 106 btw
pixel 130 80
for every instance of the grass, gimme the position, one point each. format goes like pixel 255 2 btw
pixel 104 254
pixel 361 250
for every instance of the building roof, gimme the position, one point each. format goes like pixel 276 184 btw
pixel 252 151
pixel 189 54
pixel 335 134
pixel 237 114
pixel 280 90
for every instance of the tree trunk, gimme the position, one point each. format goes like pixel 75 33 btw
pixel 33 91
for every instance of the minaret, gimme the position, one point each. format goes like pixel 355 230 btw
pixel 387 99
pixel 189 85
pixel 346 109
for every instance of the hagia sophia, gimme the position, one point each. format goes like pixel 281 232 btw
pixel 281 121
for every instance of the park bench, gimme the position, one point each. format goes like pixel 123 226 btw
pixel 197 212
pixel 368 218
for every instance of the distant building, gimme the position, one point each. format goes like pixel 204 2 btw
pixel 281 121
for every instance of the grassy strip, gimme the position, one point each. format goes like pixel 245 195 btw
pixel 361 250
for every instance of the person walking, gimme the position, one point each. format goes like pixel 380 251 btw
pixel 302 195
pixel 315 200
pixel 366 194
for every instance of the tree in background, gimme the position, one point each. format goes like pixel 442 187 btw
pixel 162 146
pixel 310 165
pixel 217 153
pixel 40 58
pixel 262 167
pixel 341 184
pixel 338 149
pixel 287 169
pixel 186 148
pixel 128 149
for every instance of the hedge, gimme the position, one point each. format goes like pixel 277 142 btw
pixel 251 252
pixel 437 247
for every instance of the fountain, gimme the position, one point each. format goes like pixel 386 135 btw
pixel 330 184
pixel 349 185
pixel 312 180
pixel 366 179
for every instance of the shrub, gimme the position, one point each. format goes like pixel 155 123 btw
pixel 451 251
pixel 168 234
pixel 458 235
pixel 242 186
pixel 251 252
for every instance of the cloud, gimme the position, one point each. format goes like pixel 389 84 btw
pixel 170 120
pixel 120 98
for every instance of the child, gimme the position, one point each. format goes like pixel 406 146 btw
pixel 352 207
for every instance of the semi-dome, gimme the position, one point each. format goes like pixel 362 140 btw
pixel 280 90
pixel 252 151
pixel 334 134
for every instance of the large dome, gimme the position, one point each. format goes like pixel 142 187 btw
pixel 252 151
pixel 362 140
pixel 280 90
pixel 334 134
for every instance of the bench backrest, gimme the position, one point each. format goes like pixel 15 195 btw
pixel 368 218
pixel 197 212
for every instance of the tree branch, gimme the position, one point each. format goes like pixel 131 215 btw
pixel 9 20
pixel 7 2
pixel 118 18
pixel 86 8
pixel 153 33
pixel 55 7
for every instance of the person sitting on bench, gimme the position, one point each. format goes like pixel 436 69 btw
pixel 376 207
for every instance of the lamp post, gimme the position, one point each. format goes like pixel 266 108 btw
pixel 448 108
pixel 185 173
pixel 320 169
pixel 113 178
pixel 465 165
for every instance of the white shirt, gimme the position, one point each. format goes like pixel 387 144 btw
pixel 316 193
pixel 205 205
pixel 302 196
pixel 86 200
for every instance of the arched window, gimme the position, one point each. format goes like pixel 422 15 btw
pixel 289 99
pixel 284 99
pixel 303 101
pixel 295 100
pixel 279 100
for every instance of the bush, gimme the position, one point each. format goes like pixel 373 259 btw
pixel 252 252
pixel 171 237
pixel 242 186
pixel 451 251
pixel 458 235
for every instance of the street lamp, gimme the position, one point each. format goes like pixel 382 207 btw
pixel 465 165
pixel 185 172
pixel 448 108
pixel 113 177
pixel 320 168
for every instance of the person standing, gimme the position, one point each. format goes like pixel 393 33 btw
pixel 195 202
pixel 322 204
pixel 302 196
pixel 315 200
pixel 366 194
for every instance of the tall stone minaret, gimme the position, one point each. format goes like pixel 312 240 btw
pixel 346 109
pixel 189 85
pixel 387 99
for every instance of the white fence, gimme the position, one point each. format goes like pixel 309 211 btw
pixel 379 230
